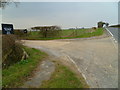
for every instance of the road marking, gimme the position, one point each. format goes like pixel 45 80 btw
pixel 113 43
pixel 109 32
pixel 77 67
pixel 112 38
pixel 111 35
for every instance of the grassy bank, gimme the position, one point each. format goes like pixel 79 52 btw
pixel 67 34
pixel 63 77
pixel 16 74
pixel 10 49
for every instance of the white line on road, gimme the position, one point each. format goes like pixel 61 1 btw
pixel 77 67
pixel 112 38
pixel 109 32
pixel 114 43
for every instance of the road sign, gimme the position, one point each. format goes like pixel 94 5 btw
pixel 7 29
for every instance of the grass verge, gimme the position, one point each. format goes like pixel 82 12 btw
pixel 63 77
pixel 68 34
pixel 15 75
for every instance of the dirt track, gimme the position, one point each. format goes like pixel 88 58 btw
pixel 96 59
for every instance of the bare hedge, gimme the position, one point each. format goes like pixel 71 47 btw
pixel 11 50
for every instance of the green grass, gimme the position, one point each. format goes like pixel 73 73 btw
pixel 76 32
pixel 98 32
pixel 68 34
pixel 16 74
pixel 63 77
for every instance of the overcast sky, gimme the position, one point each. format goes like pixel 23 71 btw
pixel 64 14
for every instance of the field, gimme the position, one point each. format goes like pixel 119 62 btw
pixel 66 34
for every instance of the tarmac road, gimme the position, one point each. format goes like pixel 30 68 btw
pixel 96 59
pixel 114 32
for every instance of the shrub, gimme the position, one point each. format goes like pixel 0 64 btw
pixel 11 50
pixel 20 33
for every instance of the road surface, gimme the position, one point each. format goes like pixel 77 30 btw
pixel 96 59
pixel 114 32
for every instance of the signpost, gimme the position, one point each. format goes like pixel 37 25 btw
pixel 7 29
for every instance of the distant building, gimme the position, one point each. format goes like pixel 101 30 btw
pixel 71 28
pixel 46 28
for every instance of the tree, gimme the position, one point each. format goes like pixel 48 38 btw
pixel 107 24
pixel 4 3
pixel 100 24
pixel 48 31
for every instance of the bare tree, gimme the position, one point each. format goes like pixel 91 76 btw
pixel 107 24
pixel 100 24
pixel 50 31
pixel 4 3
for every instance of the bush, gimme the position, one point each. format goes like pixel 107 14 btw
pixel 50 33
pixel 19 33
pixel 11 50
